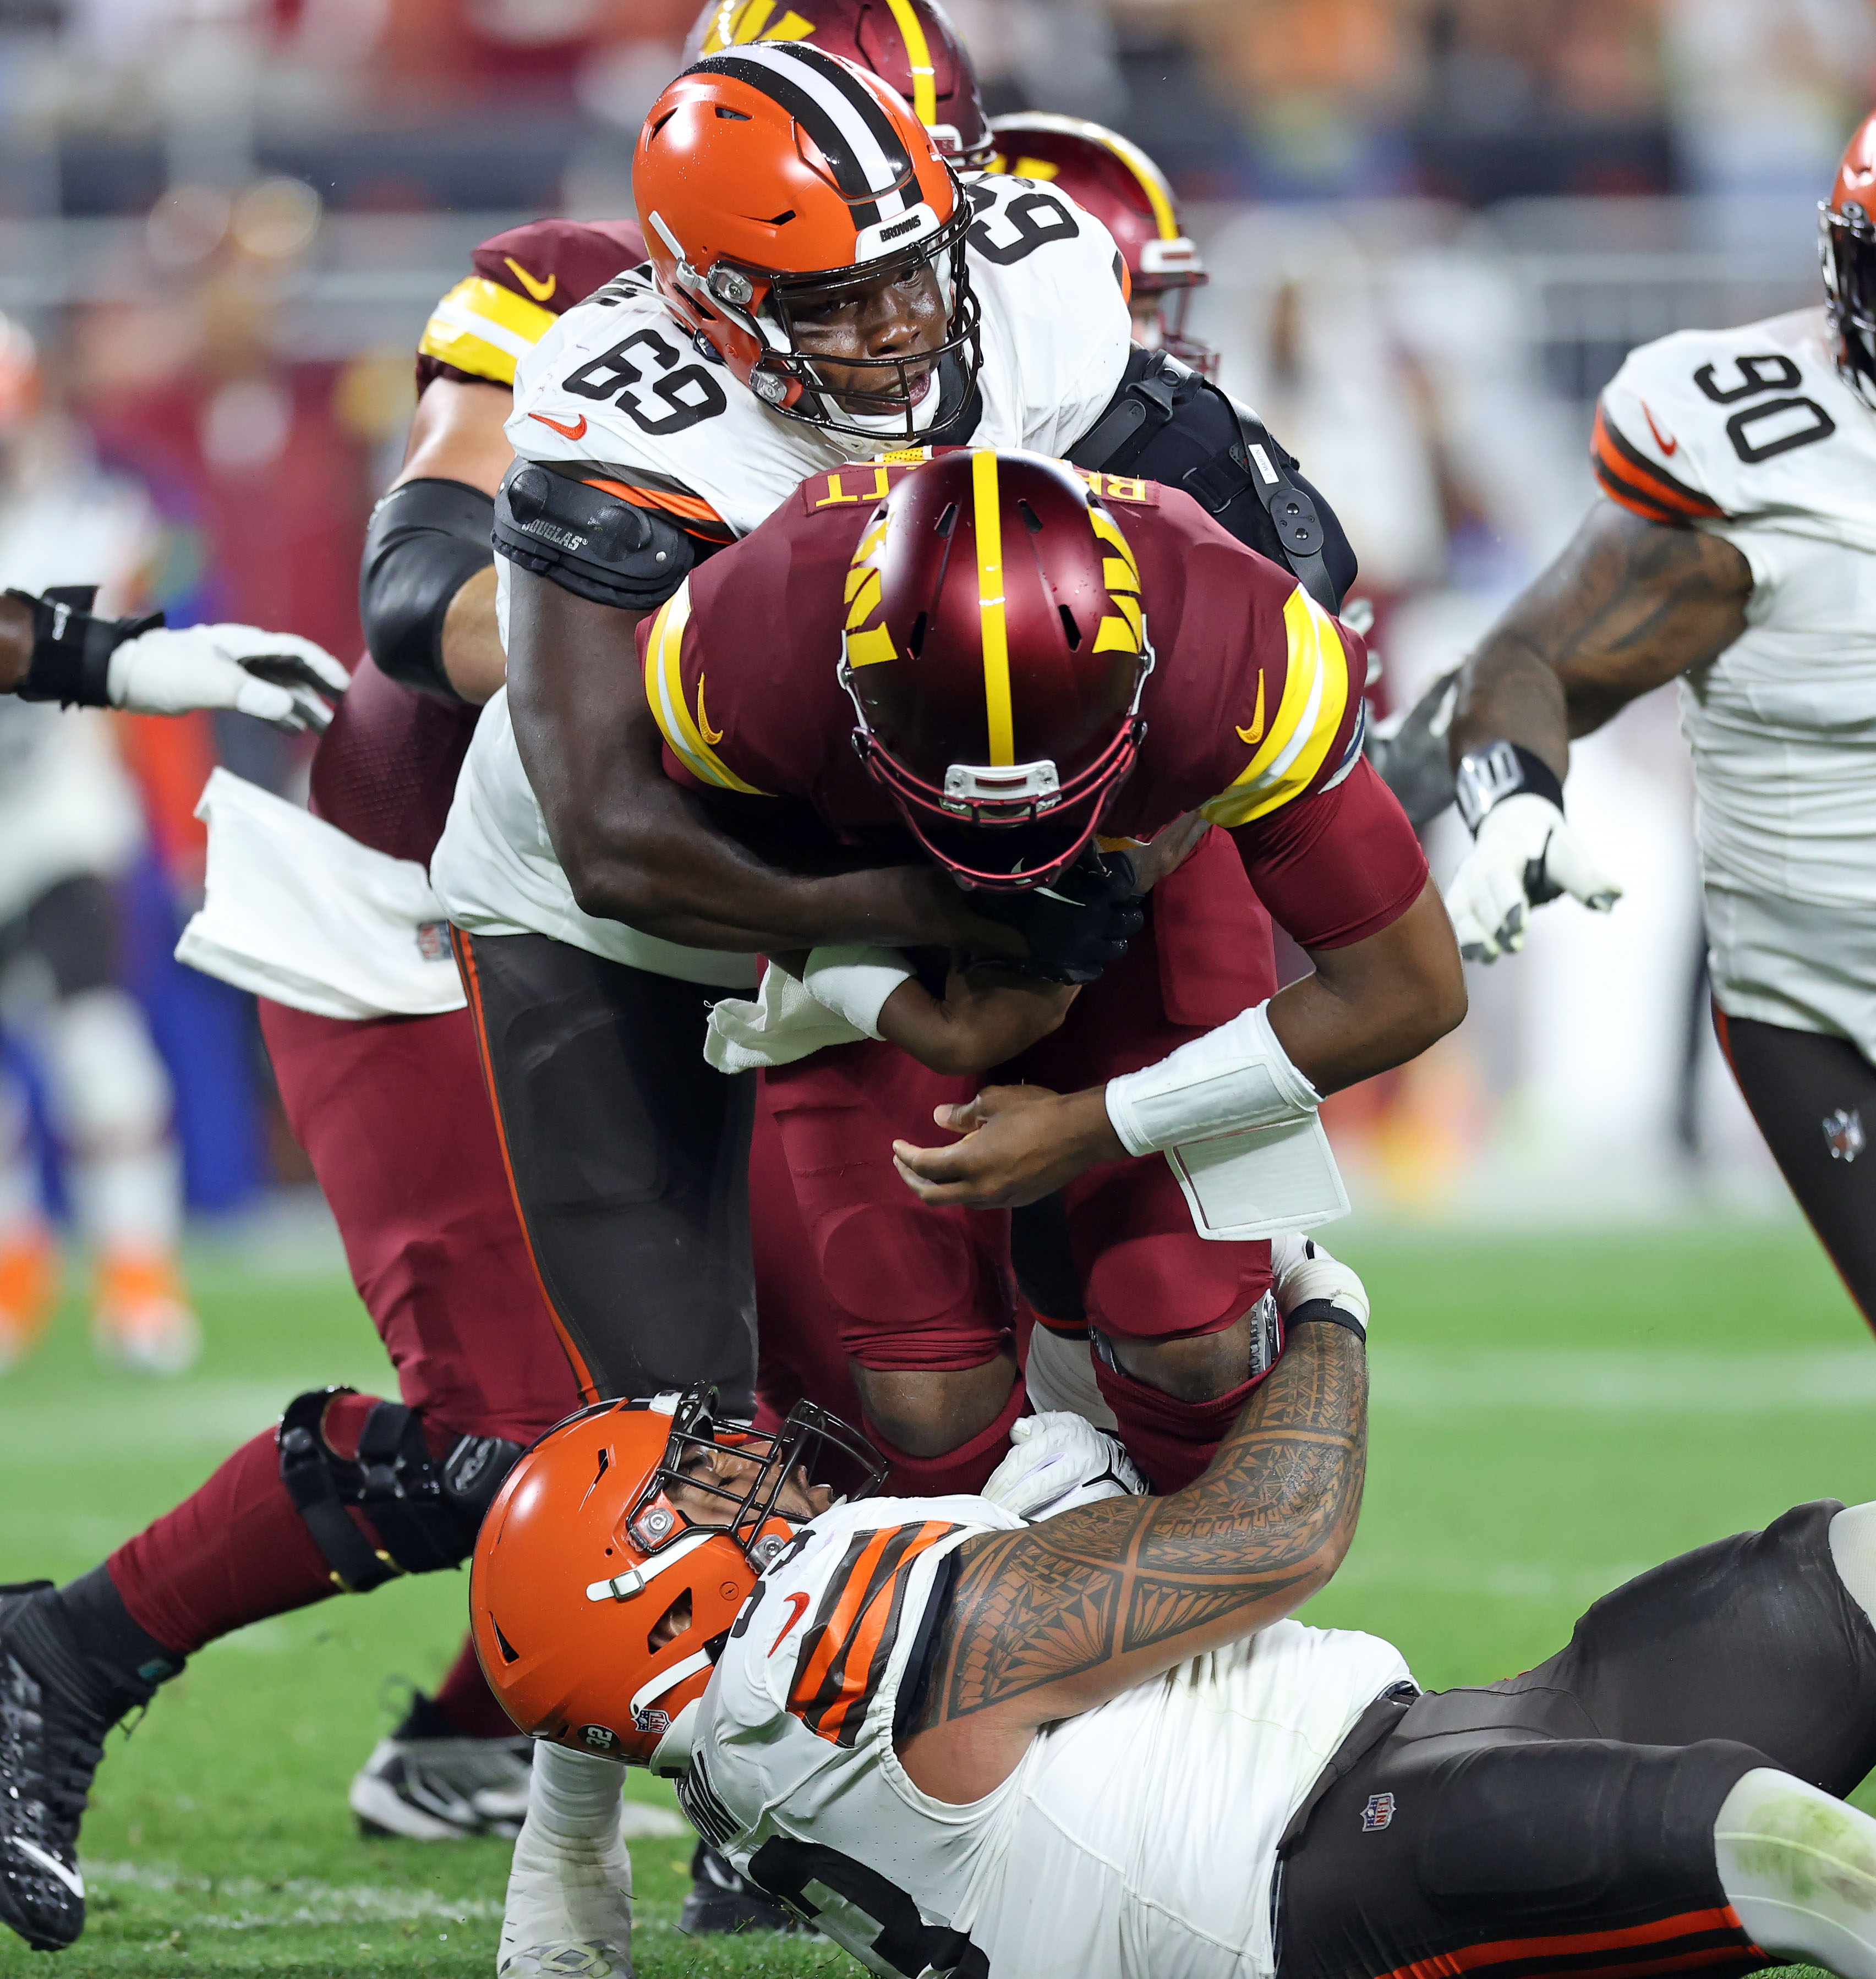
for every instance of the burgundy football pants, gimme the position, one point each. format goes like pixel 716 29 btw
pixel 394 1116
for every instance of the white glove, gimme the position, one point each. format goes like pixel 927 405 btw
pixel 1302 1270
pixel 276 677
pixel 1057 1461
pixel 1526 853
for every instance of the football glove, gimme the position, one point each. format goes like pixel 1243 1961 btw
pixel 1076 926
pixel 1056 1462
pixel 1526 853
pixel 1302 1272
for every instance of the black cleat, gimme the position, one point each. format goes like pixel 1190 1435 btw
pixel 722 1903
pixel 56 1705
pixel 428 1783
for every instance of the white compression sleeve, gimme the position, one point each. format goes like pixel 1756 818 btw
pixel 1798 1866
pixel 855 980
pixel 1236 1077
pixel 569 1886
pixel 1852 1554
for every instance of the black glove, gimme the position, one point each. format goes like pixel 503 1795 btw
pixel 1077 925
pixel 71 650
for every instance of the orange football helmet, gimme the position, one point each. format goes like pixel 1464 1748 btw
pixel 776 169
pixel 910 45
pixel 1114 180
pixel 995 651
pixel 1846 244
pixel 605 1527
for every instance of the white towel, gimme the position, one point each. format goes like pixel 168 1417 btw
pixel 296 910
pixel 783 1023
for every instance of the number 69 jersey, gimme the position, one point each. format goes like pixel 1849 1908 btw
pixel 617 392
pixel 1752 434
pixel 1134 1841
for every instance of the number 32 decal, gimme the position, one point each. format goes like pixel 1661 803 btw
pixel 1769 372
pixel 690 395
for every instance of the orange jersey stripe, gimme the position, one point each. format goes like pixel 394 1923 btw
pixel 833 1630
pixel 856 1680
pixel 1507 1950
pixel 1616 464
pixel 689 508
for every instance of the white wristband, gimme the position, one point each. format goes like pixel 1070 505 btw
pixel 855 981
pixel 1236 1077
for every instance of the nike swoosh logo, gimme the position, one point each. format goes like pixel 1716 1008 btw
pixel 1252 736
pixel 540 291
pixel 712 736
pixel 1669 447
pixel 577 431
pixel 70 1877
pixel 798 1603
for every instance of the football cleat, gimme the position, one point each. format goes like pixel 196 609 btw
pixel 29 1290
pixel 143 1321
pixel 56 1705
pixel 722 1903
pixel 427 1782
pixel 569 1907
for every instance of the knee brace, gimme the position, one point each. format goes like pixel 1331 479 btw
pixel 423 1512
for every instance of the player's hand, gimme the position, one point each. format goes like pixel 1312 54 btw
pixel 1164 854
pixel 1077 925
pixel 276 677
pixel 1526 853
pixel 1058 1461
pixel 1302 1272
pixel 989 1014
pixel 1021 1142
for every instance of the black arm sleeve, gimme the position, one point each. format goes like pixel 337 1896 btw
pixel 588 542
pixel 426 539
pixel 1165 423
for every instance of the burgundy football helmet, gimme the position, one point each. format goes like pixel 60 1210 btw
pixel 1114 180
pixel 996 649
pixel 910 45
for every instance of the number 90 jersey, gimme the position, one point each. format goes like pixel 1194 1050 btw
pixel 617 391
pixel 1752 434
pixel 1136 1840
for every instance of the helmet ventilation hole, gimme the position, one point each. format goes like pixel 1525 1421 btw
pixel 947 520
pixel 509 1653
pixel 781 218
pixel 729 116
pixel 918 633
pixel 662 122
pixel 1069 626
pixel 1031 521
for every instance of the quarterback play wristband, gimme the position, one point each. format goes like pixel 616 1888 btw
pixel 1236 1077
pixel 853 981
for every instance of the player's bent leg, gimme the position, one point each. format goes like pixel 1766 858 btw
pixel 1814 1100
pixel 943 1431
pixel 1460 1844
pixel 1798 1868
pixel 569 1909
pixel 628 1158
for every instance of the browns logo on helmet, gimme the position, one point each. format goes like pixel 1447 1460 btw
pixel 995 650
pixel 910 45
pixel 1846 243
pixel 1114 180
pixel 619 1552
pixel 778 184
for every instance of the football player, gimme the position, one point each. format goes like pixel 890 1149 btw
pixel 1241 687
pixel 1112 177
pixel 1061 1731
pixel 1728 551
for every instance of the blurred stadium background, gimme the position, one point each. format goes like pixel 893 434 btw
pixel 1435 227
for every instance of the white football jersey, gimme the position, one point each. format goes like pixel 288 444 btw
pixel 617 384
pixel 1752 433
pixel 616 387
pixel 1134 1841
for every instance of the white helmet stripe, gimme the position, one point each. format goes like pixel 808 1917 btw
pixel 880 170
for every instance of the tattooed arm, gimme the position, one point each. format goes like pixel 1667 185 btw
pixel 1629 605
pixel 1050 1622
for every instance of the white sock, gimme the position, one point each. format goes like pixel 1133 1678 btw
pixel 1799 1866
pixel 1852 1554
pixel 570 1883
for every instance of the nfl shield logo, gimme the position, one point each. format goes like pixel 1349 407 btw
pixel 1378 1813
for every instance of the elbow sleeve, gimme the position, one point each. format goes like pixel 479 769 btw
pixel 426 539
pixel 588 540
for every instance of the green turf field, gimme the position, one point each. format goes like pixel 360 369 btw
pixel 1550 1414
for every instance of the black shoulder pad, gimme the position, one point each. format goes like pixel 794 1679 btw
pixel 591 543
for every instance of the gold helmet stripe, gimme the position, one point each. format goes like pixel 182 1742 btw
pixel 1152 180
pixel 736 22
pixel 986 512
pixel 918 53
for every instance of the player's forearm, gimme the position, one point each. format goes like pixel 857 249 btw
pixel 1506 692
pixel 16 643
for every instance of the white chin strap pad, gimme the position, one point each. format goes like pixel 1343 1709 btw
pixel 1238 1122
pixel 1236 1077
